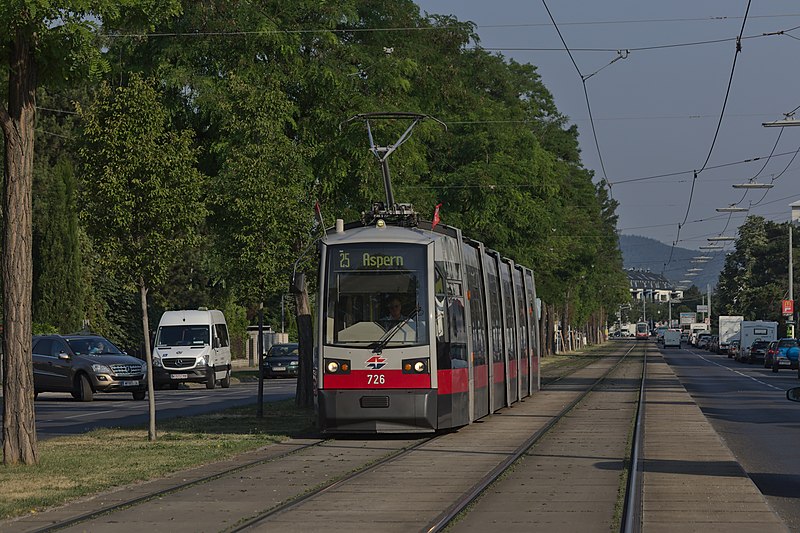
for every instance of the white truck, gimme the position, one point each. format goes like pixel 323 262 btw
pixel 729 328
pixel 755 330
pixel 672 338
pixel 192 346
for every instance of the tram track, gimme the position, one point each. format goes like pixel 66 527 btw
pixel 316 492
pixel 295 499
pixel 460 508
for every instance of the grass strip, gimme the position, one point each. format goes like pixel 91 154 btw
pixel 75 466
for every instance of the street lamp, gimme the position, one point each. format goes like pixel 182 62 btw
pixel 711 247
pixel 695 270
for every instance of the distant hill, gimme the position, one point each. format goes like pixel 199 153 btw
pixel 645 253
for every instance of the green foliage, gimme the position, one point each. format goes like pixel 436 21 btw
pixel 57 266
pixel 259 113
pixel 142 194
pixel 755 278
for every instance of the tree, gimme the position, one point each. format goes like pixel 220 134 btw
pixel 52 40
pixel 57 273
pixel 142 192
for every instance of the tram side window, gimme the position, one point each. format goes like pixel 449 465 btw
pixel 458 333
pixel 475 293
pixel 522 322
pixel 493 287
pixel 440 299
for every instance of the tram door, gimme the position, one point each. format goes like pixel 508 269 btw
pixel 533 324
pixel 510 337
pixel 522 334
pixel 495 314
pixel 477 331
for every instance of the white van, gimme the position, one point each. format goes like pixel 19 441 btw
pixel 192 346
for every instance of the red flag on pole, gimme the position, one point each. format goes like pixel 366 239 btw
pixel 436 216
pixel 318 214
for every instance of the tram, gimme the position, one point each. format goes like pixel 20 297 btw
pixel 642 330
pixel 419 328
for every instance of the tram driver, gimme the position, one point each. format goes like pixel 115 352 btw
pixel 395 315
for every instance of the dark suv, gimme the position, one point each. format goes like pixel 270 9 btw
pixel 83 365
pixel 757 352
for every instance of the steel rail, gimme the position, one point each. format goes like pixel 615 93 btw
pixel 632 510
pixel 441 521
pixel 301 499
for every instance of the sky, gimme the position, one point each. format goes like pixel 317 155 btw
pixel 657 111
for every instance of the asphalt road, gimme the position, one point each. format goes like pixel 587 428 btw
pixel 59 414
pixel 747 406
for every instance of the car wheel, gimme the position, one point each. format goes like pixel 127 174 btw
pixel 83 389
pixel 211 379
pixel 138 395
pixel 226 381
pixel 775 367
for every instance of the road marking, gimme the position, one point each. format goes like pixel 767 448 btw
pixel 735 371
pixel 90 414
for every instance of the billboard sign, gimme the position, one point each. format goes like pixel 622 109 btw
pixel 702 309
pixel 788 307
pixel 688 318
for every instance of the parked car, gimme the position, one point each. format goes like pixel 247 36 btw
pixel 281 360
pixel 757 352
pixel 83 365
pixel 713 344
pixel 733 349
pixel 787 354
pixel 703 340
pixel 684 336
pixel 772 351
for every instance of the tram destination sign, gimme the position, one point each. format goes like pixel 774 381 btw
pixel 350 260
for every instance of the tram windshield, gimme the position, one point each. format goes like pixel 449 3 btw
pixel 376 293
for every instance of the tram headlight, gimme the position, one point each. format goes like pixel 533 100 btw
pixel 337 366
pixel 416 366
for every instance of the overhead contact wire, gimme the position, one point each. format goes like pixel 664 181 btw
pixel 716 132
pixel 586 96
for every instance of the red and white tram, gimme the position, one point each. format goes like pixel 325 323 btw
pixel 465 343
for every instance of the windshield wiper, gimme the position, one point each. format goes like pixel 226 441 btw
pixel 380 344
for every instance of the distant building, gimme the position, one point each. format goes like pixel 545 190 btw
pixel 653 287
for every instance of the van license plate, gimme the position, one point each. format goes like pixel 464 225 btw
pixel 179 376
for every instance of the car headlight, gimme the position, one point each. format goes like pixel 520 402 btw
pixel 144 369
pixel 294 363
pixel 201 361
pixel 100 369
pixel 156 360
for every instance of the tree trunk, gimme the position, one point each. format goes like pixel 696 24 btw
pixel 19 426
pixel 148 355
pixel 305 333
